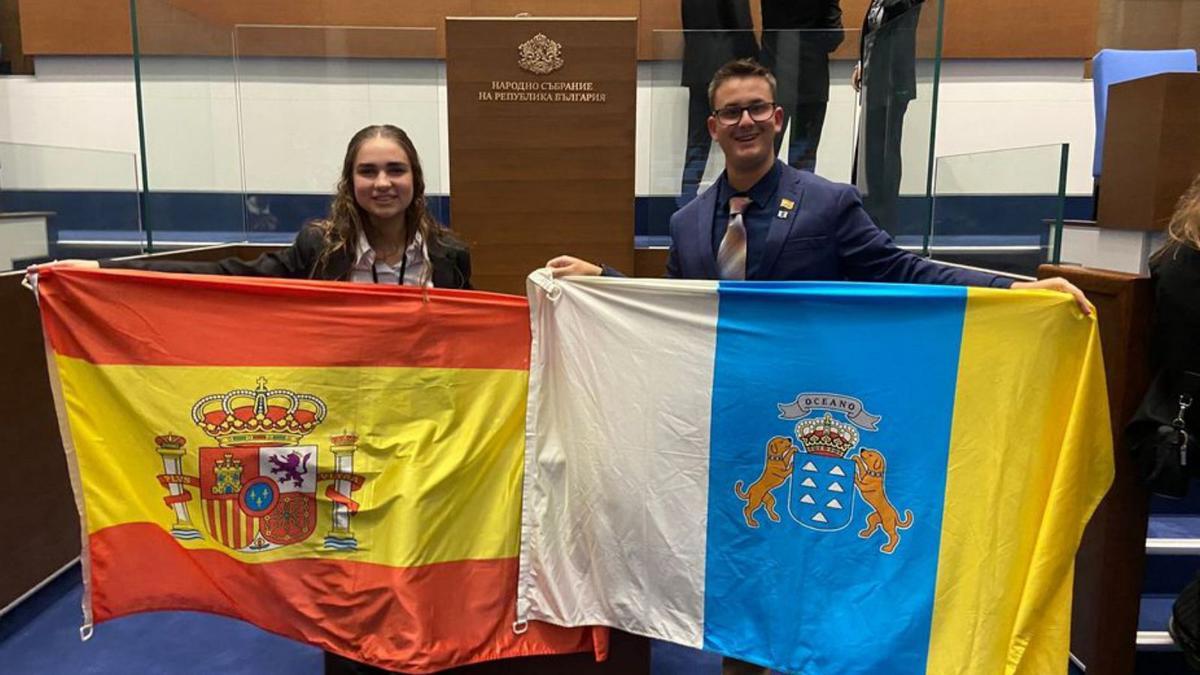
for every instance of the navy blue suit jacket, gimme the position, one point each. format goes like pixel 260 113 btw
pixel 826 236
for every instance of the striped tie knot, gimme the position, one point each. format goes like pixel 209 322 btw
pixel 731 256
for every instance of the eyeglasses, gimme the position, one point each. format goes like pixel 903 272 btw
pixel 760 111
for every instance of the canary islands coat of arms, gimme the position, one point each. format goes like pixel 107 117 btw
pixel 819 464
pixel 258 485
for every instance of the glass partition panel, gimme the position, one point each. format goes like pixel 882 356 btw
pixel 303 91
pixel 678 159
pixel 878 138
pixel 58 202
pixel 1000 209
pixel 243 123
pixel 187 124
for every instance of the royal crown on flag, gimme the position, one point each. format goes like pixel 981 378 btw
pixel 826 436
pixel 170 441
pixel 344 439
pixel 258 417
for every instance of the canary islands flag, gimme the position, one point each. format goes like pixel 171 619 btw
pixel 816 477
pixel 335 463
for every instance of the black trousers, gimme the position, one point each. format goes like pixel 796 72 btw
pixel 879 166
pixel 695 156
pixel 806 121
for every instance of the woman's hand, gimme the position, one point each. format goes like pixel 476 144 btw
pixel 856 77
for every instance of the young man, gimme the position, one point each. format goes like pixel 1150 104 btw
pixel 785 224
pixel 792 225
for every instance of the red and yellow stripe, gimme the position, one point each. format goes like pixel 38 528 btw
pixel 432 383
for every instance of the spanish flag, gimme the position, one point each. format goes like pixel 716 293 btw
pixel 339 464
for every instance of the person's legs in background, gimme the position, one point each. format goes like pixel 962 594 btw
pixel 884 164
pixel 785 89
pixel 807 121
pixel 695 156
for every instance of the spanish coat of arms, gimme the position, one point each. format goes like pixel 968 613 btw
pixel 258 485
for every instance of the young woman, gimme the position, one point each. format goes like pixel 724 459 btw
pixel 1175 269
pixel 378 229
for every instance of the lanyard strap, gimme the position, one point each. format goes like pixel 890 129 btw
pixel 403 269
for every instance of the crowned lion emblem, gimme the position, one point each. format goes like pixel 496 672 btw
pixel 540 55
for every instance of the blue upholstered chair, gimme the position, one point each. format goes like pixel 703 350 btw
pixel 1111 66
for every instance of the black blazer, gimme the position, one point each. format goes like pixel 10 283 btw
pixel 888 55
pixel 715 33
pixel 451 263
pixel 1176 335
pixel 798 36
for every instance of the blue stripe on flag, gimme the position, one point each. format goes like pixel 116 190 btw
pixel 807 594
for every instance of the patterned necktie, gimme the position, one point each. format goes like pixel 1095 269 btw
pixel 731 256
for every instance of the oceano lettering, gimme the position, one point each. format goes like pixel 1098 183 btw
pixel 830 403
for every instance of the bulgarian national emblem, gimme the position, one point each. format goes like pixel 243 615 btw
pixel 824 464
pixel 540 55
pixel 258 484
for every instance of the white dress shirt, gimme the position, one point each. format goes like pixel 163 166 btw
pixel 415 265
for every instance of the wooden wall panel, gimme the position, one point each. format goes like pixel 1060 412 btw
pixel 535 179
pixel 974 28
pixel 1024 29
pixel 78 27
pixel 1149 24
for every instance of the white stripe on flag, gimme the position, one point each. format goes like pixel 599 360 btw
pixel 591 338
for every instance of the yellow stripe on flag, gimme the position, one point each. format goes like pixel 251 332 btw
pixel 1027 511
pixel 440 452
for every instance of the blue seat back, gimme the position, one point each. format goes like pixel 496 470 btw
pixel 1110 66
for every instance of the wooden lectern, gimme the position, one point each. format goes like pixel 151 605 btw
pixel 1111 557
pixel 542 118
pixel 1151 150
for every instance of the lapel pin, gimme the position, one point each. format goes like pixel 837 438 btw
pixel 785 208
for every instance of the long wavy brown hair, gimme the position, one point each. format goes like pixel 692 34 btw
pixel 346 220
pixel 1184 227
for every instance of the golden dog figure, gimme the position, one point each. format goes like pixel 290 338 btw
pixel 870 467
pixel 775 471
